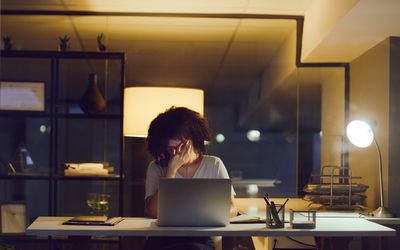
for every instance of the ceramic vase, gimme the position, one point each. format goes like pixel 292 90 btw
pixel 93 102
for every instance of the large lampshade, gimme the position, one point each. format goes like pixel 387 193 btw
pixel 360 133
pixel 143 104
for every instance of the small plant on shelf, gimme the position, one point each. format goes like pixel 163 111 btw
pixel 101 42
pixel 64 43
pixel 7 45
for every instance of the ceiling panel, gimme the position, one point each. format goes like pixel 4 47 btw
pixel 259 30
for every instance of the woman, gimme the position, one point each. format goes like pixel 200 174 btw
pixel 176 141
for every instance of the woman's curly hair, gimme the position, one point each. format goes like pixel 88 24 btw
pixel 177 123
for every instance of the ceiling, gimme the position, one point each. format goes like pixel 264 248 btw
pixel 286 7
pixel 346 33
pixel 215 54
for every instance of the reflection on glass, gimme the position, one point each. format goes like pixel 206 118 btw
pixel 253 135
pixel 22 160
pixel 98 204
pixel 220 138
pixel 236 174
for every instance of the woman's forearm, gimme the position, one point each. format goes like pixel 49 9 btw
pixel 171 172
pixel 233 211
pixel 150 206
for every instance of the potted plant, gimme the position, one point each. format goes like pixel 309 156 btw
pixel 7 43
pixel 101 43
pixel 64 43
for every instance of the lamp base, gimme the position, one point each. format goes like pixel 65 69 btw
pixel 381 212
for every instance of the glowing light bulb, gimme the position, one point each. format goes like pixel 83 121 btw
pixel 253 135
pixel 360 133
pixel 220 138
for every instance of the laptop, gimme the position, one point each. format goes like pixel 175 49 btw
pixel 194 202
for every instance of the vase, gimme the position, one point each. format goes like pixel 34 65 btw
pixel 93 102
pixel 63 47
pixel 101 47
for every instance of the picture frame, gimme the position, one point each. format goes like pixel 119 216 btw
pixel 13 218
pixel 22 95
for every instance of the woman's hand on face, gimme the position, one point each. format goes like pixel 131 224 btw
pixel 180 156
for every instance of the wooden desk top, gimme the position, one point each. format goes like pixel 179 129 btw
pixel 138 226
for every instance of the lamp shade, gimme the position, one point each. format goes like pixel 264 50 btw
pixel 143 104
pixel 360 133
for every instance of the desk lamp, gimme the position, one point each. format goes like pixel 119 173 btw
pixel 361 135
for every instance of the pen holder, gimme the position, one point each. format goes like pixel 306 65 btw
pixel 275 217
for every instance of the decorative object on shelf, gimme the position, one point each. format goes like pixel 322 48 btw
pixel 22 161
pixel 64 43
pixel 361 135
pixel 7 43
pixel 22 96
pixel 86 169
pixel 137 119
pixel 13 218
pixel 93 102
pixel 101 42
pixel 98 204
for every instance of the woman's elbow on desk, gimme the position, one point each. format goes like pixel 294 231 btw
pixel 150 206
pixel 233 210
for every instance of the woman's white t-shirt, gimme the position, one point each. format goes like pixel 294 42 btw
pixel 211 167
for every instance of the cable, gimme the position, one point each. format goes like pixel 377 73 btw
pixel 301 243
pixel 275 241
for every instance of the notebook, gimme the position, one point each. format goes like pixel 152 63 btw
pixel 93 221
pixel 194 202
pixel 245 219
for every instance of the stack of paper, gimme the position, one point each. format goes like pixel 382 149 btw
pixel 92 169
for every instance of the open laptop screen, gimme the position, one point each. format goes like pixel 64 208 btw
pixel 194 202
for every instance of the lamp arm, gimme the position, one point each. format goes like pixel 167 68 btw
pixel 380 172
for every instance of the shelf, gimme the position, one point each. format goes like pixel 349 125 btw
pixel 73 134
pixel 58 54
pixel 86 116
pixel 24 114
pixel 24 177
pixel 111 177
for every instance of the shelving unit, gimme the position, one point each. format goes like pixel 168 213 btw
pixel 69 134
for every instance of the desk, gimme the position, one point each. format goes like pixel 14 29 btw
pixel 138 226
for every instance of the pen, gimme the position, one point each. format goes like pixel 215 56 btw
pixel 274 214
pixel 266 201
pixel 283 205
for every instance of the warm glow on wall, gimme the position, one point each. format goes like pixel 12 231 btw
pixel 143 104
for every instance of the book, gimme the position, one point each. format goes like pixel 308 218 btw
pixel 93 221
pixel 245 218
pixel 96 172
